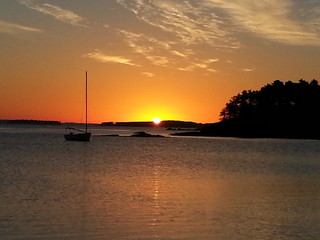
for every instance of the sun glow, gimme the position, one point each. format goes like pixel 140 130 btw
pixel 156 120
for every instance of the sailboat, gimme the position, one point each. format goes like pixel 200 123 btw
pixel 77 134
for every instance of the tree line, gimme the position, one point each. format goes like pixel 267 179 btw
pixel 279 109
pixel 298 102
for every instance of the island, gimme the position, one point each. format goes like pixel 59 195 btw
pixel 144 134
pixel 169 124
pixel 277 110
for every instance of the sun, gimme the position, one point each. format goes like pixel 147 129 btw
pixel 156 120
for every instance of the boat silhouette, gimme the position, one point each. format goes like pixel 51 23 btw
pixel 78 134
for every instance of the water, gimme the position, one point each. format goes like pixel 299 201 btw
pixel 156 188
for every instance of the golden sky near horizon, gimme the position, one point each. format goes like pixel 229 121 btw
pixel 172 59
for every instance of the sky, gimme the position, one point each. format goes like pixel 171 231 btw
pixel 171 59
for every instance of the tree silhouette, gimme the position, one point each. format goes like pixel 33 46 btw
pixel 289 110
pixel 293 102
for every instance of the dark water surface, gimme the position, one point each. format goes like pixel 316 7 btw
pixel 156 188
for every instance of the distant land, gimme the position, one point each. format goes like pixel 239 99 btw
pixel 26 121
pixel 171 124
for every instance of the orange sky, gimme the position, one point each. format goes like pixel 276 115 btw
pixel 177 60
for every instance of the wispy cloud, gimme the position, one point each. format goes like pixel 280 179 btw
pixel 151 48
pixel 182 28
pixel 248 69
pixel 164 53
pixel 204 64
pixel 148 74
pixel 11 28
pixel 272 19
pixel 218 22
pixel 188 21
pixel 58 13
pixel 101 57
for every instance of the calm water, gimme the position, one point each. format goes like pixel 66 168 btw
pixel 156 188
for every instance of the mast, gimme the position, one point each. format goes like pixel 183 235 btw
pixel 86 101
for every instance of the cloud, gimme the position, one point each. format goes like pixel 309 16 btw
pixel 148 74
pixel 271 19
pixel 151 48
pixel 179 54
pixel 248 69
pixel 165 53
pixel 11 28
pixel 204 64
pixel 212 60
pixel 218 22
pixel 56 12
pixel 101 57
pixel 182 29
pixel 188 21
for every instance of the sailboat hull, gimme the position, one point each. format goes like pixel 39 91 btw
pixel 83 137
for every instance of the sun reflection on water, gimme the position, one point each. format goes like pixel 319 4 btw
pixel 155 202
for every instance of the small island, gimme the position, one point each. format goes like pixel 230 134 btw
pixel 277 110
pixel 169 124
pixel 144 134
